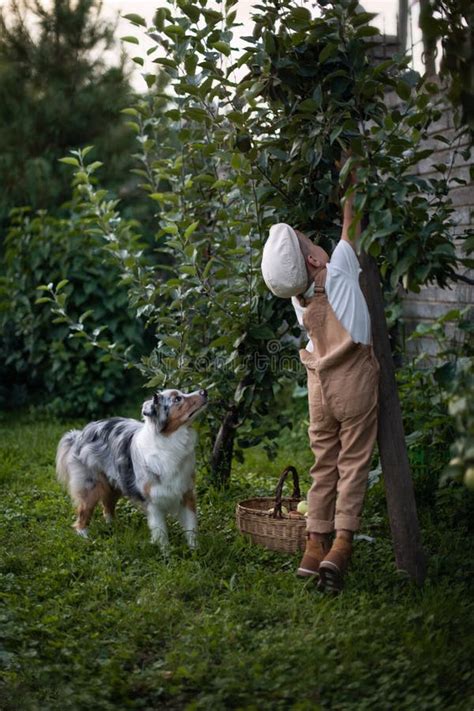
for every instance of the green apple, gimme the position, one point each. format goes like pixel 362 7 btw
pixel 302 507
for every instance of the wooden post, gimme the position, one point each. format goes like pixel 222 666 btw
pixel 402 24
pixel 429 43
pixel 398 482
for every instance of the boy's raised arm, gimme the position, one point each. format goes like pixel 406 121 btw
pixel 348 217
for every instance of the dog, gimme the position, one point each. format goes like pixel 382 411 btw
pixel 151 462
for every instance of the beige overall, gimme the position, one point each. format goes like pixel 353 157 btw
pixel 343 399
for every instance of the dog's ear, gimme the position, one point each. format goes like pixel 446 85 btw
pixel 151 407
pixel 162 410
pixel 148 409
pixel 157 408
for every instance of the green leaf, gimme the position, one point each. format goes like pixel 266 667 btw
pixel 189 230
pixel 367 31
pixel 308 105
pixel 401 269
pixel 173 30
pixel 207 268
pixel 190 63
pixel 299 18
pixel 346 169
pixel 222 47
pixel 136 19
pixel 150 79
pixel 318 96
pixel 196 114
pixel 261 333
pixel 133 126
pixel 190 11
pixel 363 17
pixel 85 315
pixel 70 161
pixel 334 134
pixel 62 284
pixel 212 16
pixel 171 341
pixel 129 38
pixel 173 114
pixel 329 51
pixel 94 166
pixel 403 90
pixel 278 153
pixel 166 62
pixel 236 117
pixel 160 16
pixel 170 229
pixel 221 341
pixel 301 14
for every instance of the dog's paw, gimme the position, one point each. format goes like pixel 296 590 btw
pixel 82 532
pixel 158 539
pixel 192 542
pixel 108 518
pixel 164 550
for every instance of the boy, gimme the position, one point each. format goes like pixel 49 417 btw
pixel 343 378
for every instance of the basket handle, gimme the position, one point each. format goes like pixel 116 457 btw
pixel 279 489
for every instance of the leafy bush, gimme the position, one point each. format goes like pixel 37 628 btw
pixel 461 407
pixel 437 401
pixel 40 361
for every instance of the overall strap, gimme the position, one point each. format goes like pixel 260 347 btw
pixel 319 283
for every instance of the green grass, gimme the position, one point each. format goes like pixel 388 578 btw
pixel 109 624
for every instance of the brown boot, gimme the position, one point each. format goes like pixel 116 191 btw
pixel 334 566
pixel 312 557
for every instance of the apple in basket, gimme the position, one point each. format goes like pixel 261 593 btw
pixel 284 511
pixel 302 507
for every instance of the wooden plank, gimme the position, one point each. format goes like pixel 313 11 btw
pixel 399 492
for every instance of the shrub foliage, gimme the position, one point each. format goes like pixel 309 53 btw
pixel 41 363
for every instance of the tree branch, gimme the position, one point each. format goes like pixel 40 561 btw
pixel 462 277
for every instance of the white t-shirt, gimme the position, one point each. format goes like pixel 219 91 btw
pixel 344 295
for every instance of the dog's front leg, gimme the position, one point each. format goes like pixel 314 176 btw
pixel 157 526
pixel 188 520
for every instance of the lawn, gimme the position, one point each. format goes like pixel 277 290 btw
pixel 109 624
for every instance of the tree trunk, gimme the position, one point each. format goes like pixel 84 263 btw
pixel 399 491
pixel 221 460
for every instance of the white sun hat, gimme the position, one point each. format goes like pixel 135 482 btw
pixel 283 264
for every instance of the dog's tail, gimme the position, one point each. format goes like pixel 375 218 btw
pixel 66 442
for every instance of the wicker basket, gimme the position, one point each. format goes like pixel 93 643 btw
pixel 276 531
